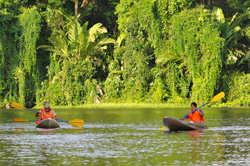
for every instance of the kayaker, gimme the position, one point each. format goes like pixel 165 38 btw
pixel 196 116
pixel 46 112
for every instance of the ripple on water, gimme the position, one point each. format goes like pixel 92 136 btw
pixel 137 142
pixel 230 128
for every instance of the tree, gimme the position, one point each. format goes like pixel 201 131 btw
pixel 75 56
pixel 194 55
pixel 236 41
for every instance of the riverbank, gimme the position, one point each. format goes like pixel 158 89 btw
pixel 141 105
pixel 134 105
pixel 123 105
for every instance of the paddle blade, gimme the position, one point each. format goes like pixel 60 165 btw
pixel 17 105
pixel 77 122
pixel 20 120
pixel 163 128
pixel 218 97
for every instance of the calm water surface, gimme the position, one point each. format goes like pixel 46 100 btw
pixel 126 137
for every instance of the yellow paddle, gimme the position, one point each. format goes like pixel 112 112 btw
pixel 21 120
pixel 163 128
pixel 18 105
pixel 74 123
pixel 215 98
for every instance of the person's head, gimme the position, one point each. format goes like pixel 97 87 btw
pixel 193 106
pixel 46 106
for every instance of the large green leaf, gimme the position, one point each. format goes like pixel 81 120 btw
pixel 74 32
pixel 219 15
pixel 94 30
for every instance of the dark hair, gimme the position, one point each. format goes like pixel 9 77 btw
pixel 194 104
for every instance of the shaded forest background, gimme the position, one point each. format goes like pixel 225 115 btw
pixel 73 52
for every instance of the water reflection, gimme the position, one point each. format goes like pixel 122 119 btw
pixel 45 131
pixel 126 137
pixel 196 135
pixel 195 144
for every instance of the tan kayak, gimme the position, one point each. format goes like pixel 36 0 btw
pixel 178 125
pixel 48 124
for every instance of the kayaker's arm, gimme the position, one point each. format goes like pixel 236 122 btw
pixel 200 112
pixel 55 116
pixel 184 117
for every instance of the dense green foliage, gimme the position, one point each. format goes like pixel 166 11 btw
pixel 133 51
pixel 199 61
pixel 26 71
pixel 239 92
pixel 75 56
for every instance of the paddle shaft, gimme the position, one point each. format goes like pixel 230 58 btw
pixel 37 111
pixel 63 120
pixel 74 123
pixel 194 110
pixel 215 98
pixel 31 110
pixel 21 120
pixel 57 120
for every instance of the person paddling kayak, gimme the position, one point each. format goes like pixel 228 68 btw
pixel 196 116
pixel 45 113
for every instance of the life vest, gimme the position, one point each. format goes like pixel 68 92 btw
pixel 195 117
pixel 44 115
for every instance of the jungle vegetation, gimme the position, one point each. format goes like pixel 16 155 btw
pixel 72 52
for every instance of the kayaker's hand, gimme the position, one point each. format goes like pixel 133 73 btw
pixel 38 114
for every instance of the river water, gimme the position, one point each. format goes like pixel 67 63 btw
pixel 126 137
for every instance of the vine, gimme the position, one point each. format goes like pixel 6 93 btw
pixel 196 42
pixel 30 22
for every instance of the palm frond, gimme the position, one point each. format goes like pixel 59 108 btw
pixel 93 32
pixel 74 32
pixel 245 59
pixel 219 15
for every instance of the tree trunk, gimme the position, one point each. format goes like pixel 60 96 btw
pixel 76 7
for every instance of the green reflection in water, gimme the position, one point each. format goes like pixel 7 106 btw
pixel 126 137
